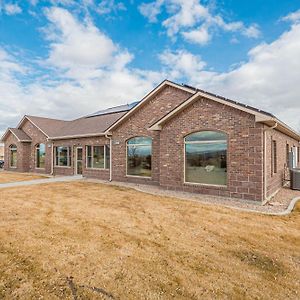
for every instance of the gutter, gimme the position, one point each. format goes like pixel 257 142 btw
pixel 110 156
pixel 265 158
pixel 66 137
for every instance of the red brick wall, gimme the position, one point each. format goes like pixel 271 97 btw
pixel 276 180
pixel 245 149
pixel 23 152
pixel 137 125
pixel 37 137
pixel 82 142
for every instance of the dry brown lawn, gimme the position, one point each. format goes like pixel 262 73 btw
pixel 6 177
pixel 82 240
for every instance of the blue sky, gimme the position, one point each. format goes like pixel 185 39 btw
pixel 65 58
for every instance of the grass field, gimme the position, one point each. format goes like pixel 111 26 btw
pixel 82 240
pixel 6 177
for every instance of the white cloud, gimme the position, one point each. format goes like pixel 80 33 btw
pixel 12 9
pixel 293 17
pixel 77 45
pixel 200 35
pixel 84 72
pixel 193 20
pixel 268 80
pixel 252 31
pixel 108 6
pixel 181 64
pixel 151 10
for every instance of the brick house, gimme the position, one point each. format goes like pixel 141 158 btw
pixel 177 136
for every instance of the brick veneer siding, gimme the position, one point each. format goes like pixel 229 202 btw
pixel 245 163
pixel 245 149
pixel 137 125
pixel 37 137
pixel 276 180
pixel 23 152
pixel 82 142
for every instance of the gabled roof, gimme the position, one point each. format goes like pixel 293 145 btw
pixel 47 126
pixel 87 126
pixel 92 125
pixel 20 135
pixel 104 121
pixel 146 98
pixel 115 109
pixel 260 115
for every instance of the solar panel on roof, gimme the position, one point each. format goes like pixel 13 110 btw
pixel 115 109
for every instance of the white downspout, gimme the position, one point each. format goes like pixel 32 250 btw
pixel 265 158
pixel 110 156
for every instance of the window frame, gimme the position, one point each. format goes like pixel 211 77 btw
pixel 274 157
pixel 37 147
pixel 69 158
pixel 287 153
pixel 213 142
pixel 126 146
pixel 13 147
pixel 106 164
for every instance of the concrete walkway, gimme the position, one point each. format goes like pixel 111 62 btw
pixel 40 181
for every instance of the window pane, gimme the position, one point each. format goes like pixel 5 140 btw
pixel 89 156
pixel 107 158
pixel 13 156
pixel 62 158
pixel 206 163
pixel 98 157
pixel 40 156
pixel 140 140
pixel 139 160
pixel 206 136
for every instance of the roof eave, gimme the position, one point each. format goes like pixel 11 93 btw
pixel 28 118
pixel 66 137
pixel 281 127
pixel 260 117
pixel 10 130
pixel 158 125
pixel 149 95
pixel 3 137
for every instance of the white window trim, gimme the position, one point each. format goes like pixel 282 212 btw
pixel 58 156
pixel 128 145
pixel 184 161
pixel 105 167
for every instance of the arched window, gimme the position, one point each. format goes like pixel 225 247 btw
pixel 13 156
pixel 206 158
pixel 139 155
pixel 40 153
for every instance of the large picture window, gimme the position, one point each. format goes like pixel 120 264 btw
pixel 206 158
pixel 13 156
pixel 63 156
pixel 40 151
pixel 139 155
pixel 98 157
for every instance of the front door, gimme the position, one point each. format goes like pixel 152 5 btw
pixel 78 166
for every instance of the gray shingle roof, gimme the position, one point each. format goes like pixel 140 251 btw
pixel 20 134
